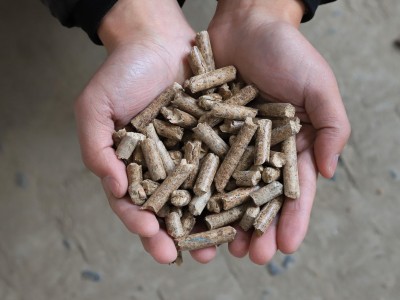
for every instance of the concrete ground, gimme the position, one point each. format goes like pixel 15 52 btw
pixel 59 239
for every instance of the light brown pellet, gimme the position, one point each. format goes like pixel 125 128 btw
pixel 246 160
pixel 290 170
pixel 212 79
pixel 206 239
pixel 198 203
pixel 135 189
pixel 179 117
pixel 277 159
pixel 231 126
pixel 170 184
pixel 149 186
pixel 226 217
pixel 267 215
pixel 117 136
pixel 180 198
pixel 168 130
pixel 188 104
pixel 280 110
pixel 234 154
pixel 188 222
pixel 249 216
pixel 237 197
pixel 150 112
pixel 247 178
pixel 207 102
pixel 192 151
pixel 232 112
pixel 267 193
pixel 128 144
pixel 284 121
pixel 153 160
pixel 205 133
pixel 279 134
pixel 197 62
pixel 263 141
pixel 176 156
pixel 215 203
pixel 204 45
pixel 206 174
pixel 174 225
pixel 270 174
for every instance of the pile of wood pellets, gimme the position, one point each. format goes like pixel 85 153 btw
pixel 210 152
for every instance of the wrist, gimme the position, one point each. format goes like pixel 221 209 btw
pixel 129 20
pixel 290 11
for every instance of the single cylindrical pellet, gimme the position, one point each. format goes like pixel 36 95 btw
pixel 127 145
pixel 284 121
pixel 277 159
pixel 188 104
pixel 270 174
pixel 174 225
pixel 263 141
pixel 179 117
pixel 207 102
pixel 176 156
pixel 280 110
pixel 224 91
pixel 153 160
pixel 246 160
pixel 231 126
pixel 215 203
pixel 279 134
pixel 232 112
pixel 170 184
pixel 135 189
pixel 205 133
pixel 192 151
pixel 237 197
pixel 290 170
pixel 267 215
pixel 117 136
pixel 248 218
pixel 150 112
pixel 267 193
pixel 168 163
pixel 180 198
pixel 198 203
pixel 188 222
pixel 206 239
pixel 197 62
pixel 149 186
pixel 212 79
pixel 204 45
pixel 206 174
pixel 168 130
pixel 247 178
pixel 224 218
pixel 234 154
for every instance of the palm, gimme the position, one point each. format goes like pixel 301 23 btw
pixel 286 68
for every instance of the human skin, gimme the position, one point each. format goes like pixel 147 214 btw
pixel 261 38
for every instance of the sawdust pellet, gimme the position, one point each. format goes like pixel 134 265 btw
pixel 263 141
pixel 205 133
pixel 249 217
pixel 267 215
pixel 206 174
pixel 180 198
pixel 153 160
pixel 174 225
pixel 168 130
pixel 212 79
pixel 237 197
pixel 224 218
pixel 290 170
pixel 267 193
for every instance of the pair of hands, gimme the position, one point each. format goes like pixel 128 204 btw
pixel 148 44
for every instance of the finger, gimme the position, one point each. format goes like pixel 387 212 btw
pixel 263 248
pixel 161 247
pixel 295 214
pixel 137 221
pixel 95 128
pixel 324 105
pixel 239 247
pixel 204 255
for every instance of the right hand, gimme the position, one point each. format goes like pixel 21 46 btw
pixel 148 43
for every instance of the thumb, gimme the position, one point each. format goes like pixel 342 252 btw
pixel 328 116
pixel 95 128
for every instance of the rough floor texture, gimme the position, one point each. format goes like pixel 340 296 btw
pixel 59 239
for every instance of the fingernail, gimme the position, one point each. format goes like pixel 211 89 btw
pixel 111 185
pixel 334 164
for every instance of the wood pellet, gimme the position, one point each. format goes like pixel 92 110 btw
pixel 204 154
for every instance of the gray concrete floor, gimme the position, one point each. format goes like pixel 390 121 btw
pixel 57 233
